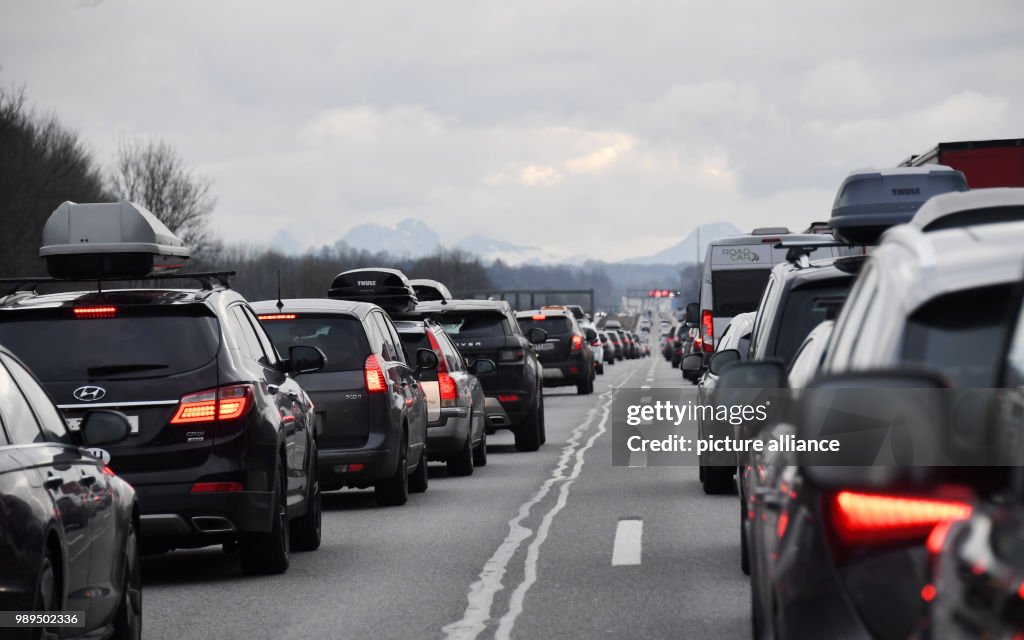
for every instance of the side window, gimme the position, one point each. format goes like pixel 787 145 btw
pixel 387 343
pixel 395 340
pixel 761 320
pixel 1014 375
pixel 451 353
pixel 18 417
pixel 512 325
pixel 245 333
pixel 49 418
pixel 850 323
pixel 266 345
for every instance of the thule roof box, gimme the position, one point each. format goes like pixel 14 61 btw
pixel 869 201
pixel 109 240
pixel 388 288
pixel 430 290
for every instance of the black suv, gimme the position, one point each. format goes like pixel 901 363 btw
pixel 222 449
pixel 487 329
pixel 565 355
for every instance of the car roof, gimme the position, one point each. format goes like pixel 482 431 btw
pixel 30 300
pixel 315 305
pixel 750 238
pixel 434 306
pixel 946 204
pixel 794 275
pixel 565 313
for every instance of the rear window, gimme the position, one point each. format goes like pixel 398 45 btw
pixel 412 341
pixel 737 291
pixel 137 343
pixel 960 334
pixel 474 325
pixel 554 325
pixel 805 309
pixel 341 338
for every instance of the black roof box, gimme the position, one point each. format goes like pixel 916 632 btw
pixel 430 290
pixel 109 240
pixel 869 201
pixel 388 288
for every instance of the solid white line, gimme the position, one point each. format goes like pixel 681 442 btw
pixel 645 386
pixel 628 542
pixel 481 593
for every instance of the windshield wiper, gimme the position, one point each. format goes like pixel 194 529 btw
pixel 122 368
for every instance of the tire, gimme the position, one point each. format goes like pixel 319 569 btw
pixel 306 530
pixel 128 619
pixel 267 553
pixel 480 451
pixel 717 480
pixel 744 548
pixel 528 434
pixel 600 368
pixel 461 464
pixel 586 387
pixel 543 422
pixel 47 596
pixel 394 491
pixel 420 478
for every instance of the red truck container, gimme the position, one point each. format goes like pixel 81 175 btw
pixel 985 163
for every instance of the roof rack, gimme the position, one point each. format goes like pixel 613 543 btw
pixel 205 278
pixel 799 250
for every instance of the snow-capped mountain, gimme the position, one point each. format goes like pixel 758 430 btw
pixel 686 250
pixel 490 249
pixel 410 237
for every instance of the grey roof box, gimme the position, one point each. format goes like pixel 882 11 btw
pixel 109 240
pixel 427 290
pixel 970 208
pixel 387 288
pixel 871 200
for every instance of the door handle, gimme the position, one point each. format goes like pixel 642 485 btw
pixel 53 482
pixel 272 388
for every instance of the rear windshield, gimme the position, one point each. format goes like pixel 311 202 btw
pixel 960 334
pixel 474 325
pixel 139 345
pixel 554 325
pixel 413 341
pixel 341 338
pixel 737 291
pixel 805 309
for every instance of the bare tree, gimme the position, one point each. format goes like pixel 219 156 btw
pixel 153 175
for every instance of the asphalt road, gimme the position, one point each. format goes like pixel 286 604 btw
pixel 530 546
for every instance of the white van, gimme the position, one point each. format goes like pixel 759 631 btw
pixel 736 271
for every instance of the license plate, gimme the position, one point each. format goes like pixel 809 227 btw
pixel 74 424
pixel 546 346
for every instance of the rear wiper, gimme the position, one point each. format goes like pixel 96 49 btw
pixel 122 368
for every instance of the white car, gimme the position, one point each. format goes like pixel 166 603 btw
pixel 595 345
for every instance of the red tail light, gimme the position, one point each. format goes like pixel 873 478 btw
pixel 225 403
pixel 708 323
pixel 577 342
pixel 511 355
pixel 508 397
pixel 214 487
pixel 859 518
pixel 96 312
pixel 277 316
pixel 595 343
pixel 449 389
pixel 540 316
pixel 442 364
pixel 375 381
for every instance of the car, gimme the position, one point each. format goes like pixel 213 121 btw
pixel 596 346
pixel 371 413
pixel 513 395
pixel 222 448
pixel 566 357
pixel 618 351
pixel 456 427
pixel 607 349
pixel 69 527
pixel 923 335
pixel 426 289
pixel 575 309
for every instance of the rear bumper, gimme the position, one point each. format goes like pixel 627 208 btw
pixel 449 436
pixel 335 465
pixel 566 372
pixel 172 514
pixel 505 415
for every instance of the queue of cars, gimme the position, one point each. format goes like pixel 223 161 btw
pixel 922 292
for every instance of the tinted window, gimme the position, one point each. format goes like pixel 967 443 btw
pixel 554 325
pixel 399 354
pixel 960 334
pixel 451 352
pixel 49 418
pixel 805 309
pixel 737 291
pixel 21 424
pixel 388 346
pixel 250 342
pixel 129 346
pixel 265 345
pixel 473 325
pixel 412 341
pixel 341 338
pixel 1015 357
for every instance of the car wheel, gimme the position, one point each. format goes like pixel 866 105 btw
pixel 480 452
pixel 744 546
pixel 528 433
pixel 267 553
pixel 461 464
pixel 128 619
pixel 48 591
pixel 420 477
pixel 600 368
pixel 306 530
pixel 394 491
pixel 543 422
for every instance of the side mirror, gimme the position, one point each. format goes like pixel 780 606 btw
pixel 590 334
pixel 536 335
pixel 692 364
pixel 692 314
pixel 482 366
pixel 103 426
pixel 305 359
pixel 426 359
pixel 722 359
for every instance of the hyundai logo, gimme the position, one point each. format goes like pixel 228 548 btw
pixel 89 394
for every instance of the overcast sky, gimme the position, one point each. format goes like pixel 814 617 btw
pixel 589 126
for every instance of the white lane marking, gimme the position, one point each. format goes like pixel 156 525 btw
pixel 639 458
pixel 481 593
pixel 645 386
pixel 628 543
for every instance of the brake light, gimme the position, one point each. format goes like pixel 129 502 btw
pixel 511 355
pixel 595 343
pixel 442 364
pixel 708 322
pixel 96 312
pixel 577 342
pixel 107 471
pixel 216 487
pixel 867 518
pixel 375 382
pixel 937 538
pixel 539 316
pixel 508 397
pixel 225 403
pixel 449 389
pixel 277 316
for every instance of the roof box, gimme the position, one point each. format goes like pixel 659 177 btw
pixel 871 200
pixel 109 240
pixel 388 288
pixel 430 290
